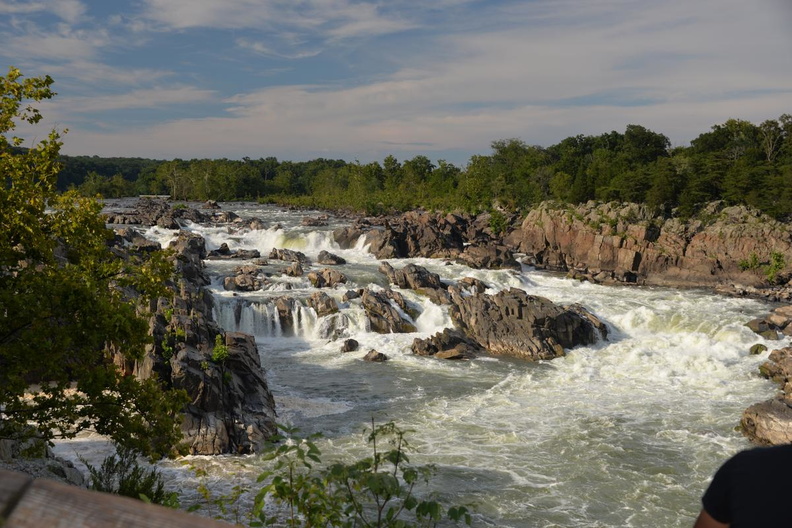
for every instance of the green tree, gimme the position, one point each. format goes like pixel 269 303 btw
pixel 62 309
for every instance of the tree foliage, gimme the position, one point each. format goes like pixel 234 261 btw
pixel 64 302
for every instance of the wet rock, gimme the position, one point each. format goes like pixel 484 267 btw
pixel 417 278
pixel 210 204
pixel 350 345
pixel 224 253
pixel 326 278
pixel 295 270
pixel 246 278
pixel 289 255
pixel 347 237
pixel 516 324
pixel 352 294
pixel 329 259
pixel 448 344
pixel 757 349
pixel 383 317
pixel 375 357
pixel 322 303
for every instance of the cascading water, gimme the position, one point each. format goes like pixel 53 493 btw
pixel 626 432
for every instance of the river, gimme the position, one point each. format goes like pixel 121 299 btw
pixel 626 432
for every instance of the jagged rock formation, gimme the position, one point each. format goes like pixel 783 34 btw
pixel 383 317
pixel 626 242
pixel 513 323
pixel 231 409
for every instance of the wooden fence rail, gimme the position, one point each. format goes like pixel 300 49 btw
pixel 42 503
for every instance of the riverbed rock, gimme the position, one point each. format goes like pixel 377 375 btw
pixel 513 323
pixel 329 259
pixel 382 316
pixel 289 255
pixel 350 345
pixel 322 303
pixel 375 357
pixel 326 278
pixel 225 253
pixel 411 276
pixel 448 344
pixel 294 270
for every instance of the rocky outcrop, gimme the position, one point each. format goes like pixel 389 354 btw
pixel 153 212
pixel 245 278
pixel 513 323
pixel 230 409
pixel 626 242
pixel 382 316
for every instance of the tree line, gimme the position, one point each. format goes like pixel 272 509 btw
pixel 737 161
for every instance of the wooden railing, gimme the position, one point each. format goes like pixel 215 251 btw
pixel 42 503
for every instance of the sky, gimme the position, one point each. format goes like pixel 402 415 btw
pixel 359 80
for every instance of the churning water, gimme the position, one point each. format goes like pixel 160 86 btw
pixel 623 433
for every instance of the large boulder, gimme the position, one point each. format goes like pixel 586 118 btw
pixel 382 315
pixel 513 323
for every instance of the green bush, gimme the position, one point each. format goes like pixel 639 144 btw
pixel 121 474
pixel 377 491
pixel 220 351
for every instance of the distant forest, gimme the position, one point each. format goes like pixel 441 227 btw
pixel 738 162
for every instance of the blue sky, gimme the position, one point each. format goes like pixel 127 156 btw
pixel 300 79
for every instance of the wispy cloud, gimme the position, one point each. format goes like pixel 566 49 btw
pixel 70 11
pixel 369 78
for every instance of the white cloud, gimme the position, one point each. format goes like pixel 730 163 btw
pixel 328 18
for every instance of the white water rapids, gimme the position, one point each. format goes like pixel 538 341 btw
pixel 623 433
